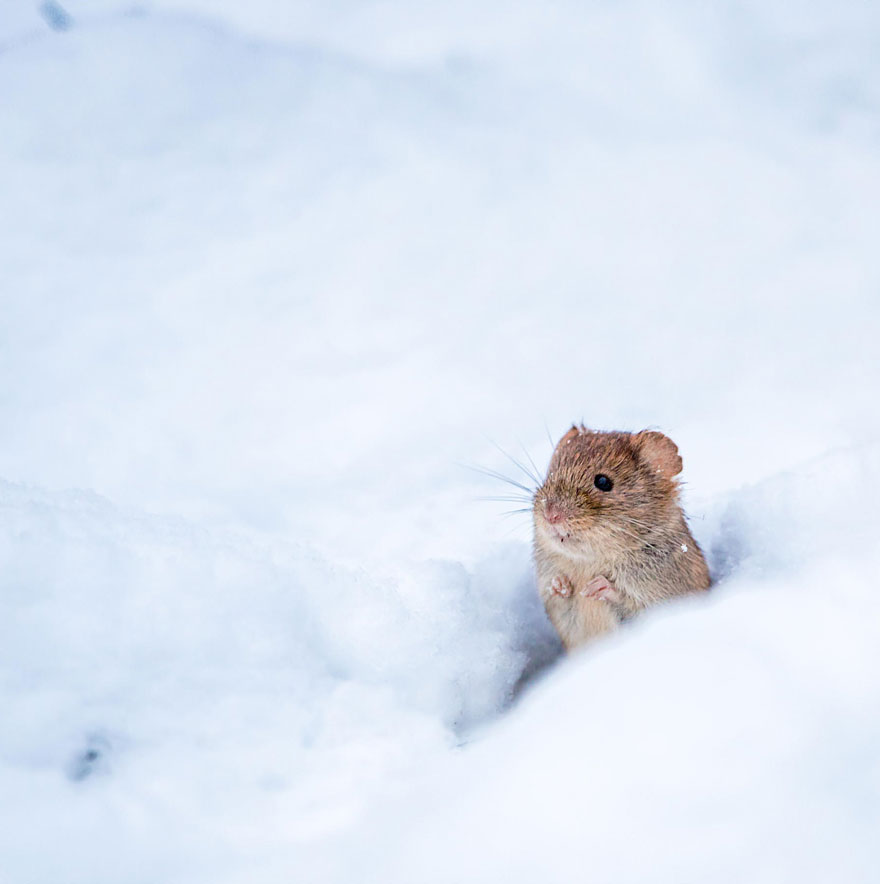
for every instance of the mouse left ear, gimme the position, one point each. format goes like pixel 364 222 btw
pixel 660 451
pixel 573 433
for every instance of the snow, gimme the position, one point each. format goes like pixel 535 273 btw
pixel 204 670
pixel 726 740
pixel 271 276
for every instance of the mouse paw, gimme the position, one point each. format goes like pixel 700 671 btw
pixel 561 586
pixel 600 588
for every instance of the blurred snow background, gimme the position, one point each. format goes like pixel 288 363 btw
pixel 269 274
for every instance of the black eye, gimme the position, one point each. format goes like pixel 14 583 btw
pixel 603 483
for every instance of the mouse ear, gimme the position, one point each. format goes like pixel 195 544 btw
pixel 573 433
pixel 660 451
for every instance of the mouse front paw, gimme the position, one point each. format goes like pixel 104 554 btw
pixel 561 586
pixel 601 588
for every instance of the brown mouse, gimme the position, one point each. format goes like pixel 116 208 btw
pixel 610 535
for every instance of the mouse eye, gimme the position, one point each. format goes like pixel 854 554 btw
pixel 603 483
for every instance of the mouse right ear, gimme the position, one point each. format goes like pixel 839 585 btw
pixel 660 451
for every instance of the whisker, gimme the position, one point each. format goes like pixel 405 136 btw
pixel 500 476
pixel 514 527
pixel 536 474
pixel 631 534
pixel 656 533
pixel 534 478
pixel 654 529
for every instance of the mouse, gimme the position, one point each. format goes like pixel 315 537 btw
pixel 610 536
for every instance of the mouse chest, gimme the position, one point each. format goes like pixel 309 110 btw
pixel 582 571
pixel 578 572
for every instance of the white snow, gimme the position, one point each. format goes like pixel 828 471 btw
pixel 270 275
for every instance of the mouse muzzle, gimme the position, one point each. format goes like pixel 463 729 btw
pixel 554 518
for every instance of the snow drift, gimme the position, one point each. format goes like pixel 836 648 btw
pixel 269 275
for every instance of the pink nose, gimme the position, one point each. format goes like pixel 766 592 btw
pixel 553 512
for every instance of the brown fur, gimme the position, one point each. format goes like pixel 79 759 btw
pixel 634 535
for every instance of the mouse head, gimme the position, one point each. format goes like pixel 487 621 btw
pixel 606 489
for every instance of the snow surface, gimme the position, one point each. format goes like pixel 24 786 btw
pixel 271 276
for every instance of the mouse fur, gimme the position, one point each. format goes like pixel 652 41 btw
pixel 601 556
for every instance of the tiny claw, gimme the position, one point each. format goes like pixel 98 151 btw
pixel 601 588
pixel 561 586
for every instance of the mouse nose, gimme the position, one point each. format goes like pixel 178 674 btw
pixel 553 512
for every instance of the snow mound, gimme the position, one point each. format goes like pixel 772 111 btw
pixel 726 739
pixel 273 271
pixel 156 673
